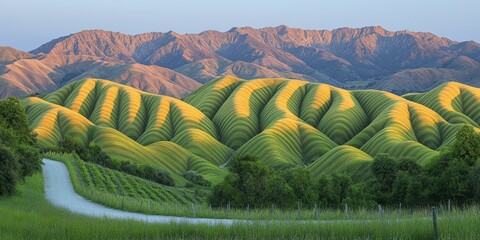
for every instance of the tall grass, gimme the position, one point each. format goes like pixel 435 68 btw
pixel 27 215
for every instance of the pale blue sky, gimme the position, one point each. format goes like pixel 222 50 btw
pixel 26 24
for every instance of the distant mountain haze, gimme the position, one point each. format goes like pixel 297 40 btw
pixel 176 64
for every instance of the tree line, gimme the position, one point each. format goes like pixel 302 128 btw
pixel 452 175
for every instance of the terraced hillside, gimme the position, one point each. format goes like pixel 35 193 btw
pixel 285 122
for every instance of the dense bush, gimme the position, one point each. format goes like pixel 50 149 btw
pixel 196 178
pixel 19 154
pixel 157 175
pixel 253 184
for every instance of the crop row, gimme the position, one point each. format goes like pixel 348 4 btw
pixel 96 178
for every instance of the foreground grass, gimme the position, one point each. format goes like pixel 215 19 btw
pixel 27 215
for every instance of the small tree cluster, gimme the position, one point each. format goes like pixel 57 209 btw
pixel 253 184
pixel 93 153
pixel 196 178
pixel 454 174
pixel 338 189
pixel 19 154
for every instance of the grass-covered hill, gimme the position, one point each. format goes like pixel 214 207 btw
pixel 284 122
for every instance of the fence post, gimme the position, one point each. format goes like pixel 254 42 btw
pixel 449 205
pixel 298 210
pixel 380 210
pixel 272 211
pixel 228 208
pixel 346 209
pixel 193 210
pixel 435 229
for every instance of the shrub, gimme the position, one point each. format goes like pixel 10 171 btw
pixel 196 178
pixel 158 176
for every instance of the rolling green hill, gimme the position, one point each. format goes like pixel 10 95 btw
pixel 284 122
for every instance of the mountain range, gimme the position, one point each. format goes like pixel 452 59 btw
pixel 176 64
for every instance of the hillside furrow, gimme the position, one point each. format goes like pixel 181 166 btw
pixel 285 122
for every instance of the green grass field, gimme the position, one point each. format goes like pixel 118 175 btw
pixel 27 215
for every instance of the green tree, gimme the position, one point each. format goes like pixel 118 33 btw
pixel 196 178
pixel 341 184
pixel 467 145
pixel 415 194
pixel 19 154
pixel 9 170
pixel 407 169
pixel 384 169
pixel 408 165
pixel 336 190
pixel 400 187
pixel 324 191
pixel 13 116
pixel 298 179
pixel 28 158
pixel 247 184
pixel 474 182
pixel 280 193
pixel 69 145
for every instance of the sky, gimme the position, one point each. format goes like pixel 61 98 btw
pixel 26 24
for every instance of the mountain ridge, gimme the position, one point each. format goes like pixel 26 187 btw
pixel 353 58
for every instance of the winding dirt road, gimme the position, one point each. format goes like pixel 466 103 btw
pixel 59 191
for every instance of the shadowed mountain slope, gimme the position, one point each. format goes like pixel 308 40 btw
pixel 27 74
